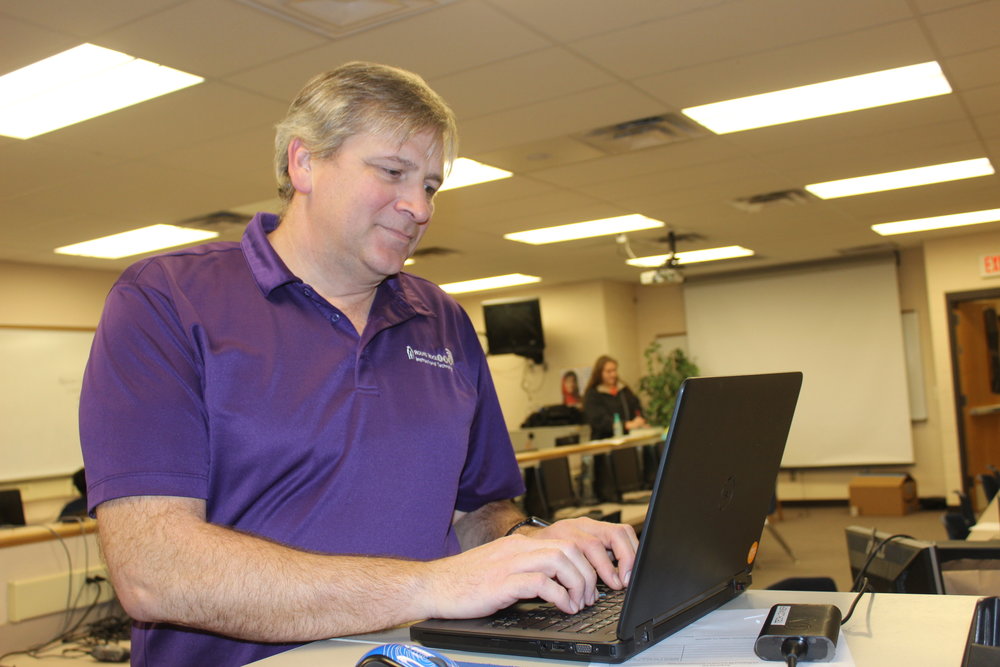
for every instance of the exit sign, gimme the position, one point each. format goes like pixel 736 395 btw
pixel 989 266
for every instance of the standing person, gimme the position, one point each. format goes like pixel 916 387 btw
pixel 606 396
pixel 288 438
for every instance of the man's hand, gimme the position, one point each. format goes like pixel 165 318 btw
pixel 559 564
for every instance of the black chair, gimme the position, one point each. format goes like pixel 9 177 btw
pixel 958 524
pixel 990 485
pixel 955 525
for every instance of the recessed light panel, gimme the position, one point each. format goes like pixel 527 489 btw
pixel 469 172
pixel 693 256
pixel 585 230
pixel 494 282
pixel 853 93
pixel 137 241
pixel 81 83
pixel 937 222
pixel 906 178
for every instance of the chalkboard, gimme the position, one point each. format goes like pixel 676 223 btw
pixel 39 401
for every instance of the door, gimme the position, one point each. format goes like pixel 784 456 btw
pixel 976 353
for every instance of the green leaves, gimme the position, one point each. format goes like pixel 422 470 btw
pixel 666 372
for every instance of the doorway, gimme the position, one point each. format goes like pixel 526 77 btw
pixel 975 351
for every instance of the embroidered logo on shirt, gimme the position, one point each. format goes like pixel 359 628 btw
pixel 441 360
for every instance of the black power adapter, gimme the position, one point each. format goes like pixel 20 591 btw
pixel 796 633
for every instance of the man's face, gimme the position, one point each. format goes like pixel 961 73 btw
pixel 372 200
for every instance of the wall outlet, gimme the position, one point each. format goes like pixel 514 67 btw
pixel 39 596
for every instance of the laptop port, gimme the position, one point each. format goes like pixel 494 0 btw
pixel 583 649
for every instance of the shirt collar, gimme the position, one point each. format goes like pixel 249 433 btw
pixel 270 272
pixel 267 268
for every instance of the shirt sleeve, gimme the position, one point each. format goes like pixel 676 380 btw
pixel 142 419
pixel 491 471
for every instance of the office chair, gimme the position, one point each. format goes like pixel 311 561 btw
pixel 990 485
pixel 958 524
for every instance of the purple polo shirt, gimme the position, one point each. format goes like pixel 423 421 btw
pixel 218 374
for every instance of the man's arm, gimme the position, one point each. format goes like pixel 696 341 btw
pixel 169 565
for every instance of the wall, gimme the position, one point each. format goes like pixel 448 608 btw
pixel 660 311
pixel 575 319
pixel 952 266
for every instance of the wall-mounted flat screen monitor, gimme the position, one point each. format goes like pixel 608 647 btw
pixel 515 327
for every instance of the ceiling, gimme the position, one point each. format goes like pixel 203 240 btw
pixel 527 79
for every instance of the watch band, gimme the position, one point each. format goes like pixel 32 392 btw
pixel 530 521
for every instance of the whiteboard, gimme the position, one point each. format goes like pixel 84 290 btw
pixel 841 326
pixel 39 401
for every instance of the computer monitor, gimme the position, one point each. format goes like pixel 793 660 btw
pixel 893 563
pixel 11 508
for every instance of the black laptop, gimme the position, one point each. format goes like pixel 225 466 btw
pixel 698 545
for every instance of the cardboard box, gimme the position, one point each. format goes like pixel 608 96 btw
pixel 890 494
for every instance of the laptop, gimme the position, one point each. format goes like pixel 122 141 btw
pixel 712 492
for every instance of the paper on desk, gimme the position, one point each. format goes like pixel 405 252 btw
pixel 724 637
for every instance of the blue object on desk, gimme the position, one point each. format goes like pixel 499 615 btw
pixel 410 655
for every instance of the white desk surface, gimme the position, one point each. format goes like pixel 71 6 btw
pixel 987 527
pixel 886 629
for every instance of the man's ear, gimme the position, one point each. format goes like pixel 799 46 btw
pixel 299 166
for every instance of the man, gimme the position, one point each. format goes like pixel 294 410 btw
pixel 288 439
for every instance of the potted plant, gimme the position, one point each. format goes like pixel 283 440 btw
pixel 665 373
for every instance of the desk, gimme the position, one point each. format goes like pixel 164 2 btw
pixel 987 527
pixel 886 629
pixel 637 438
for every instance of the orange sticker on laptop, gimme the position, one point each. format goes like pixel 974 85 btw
pixel 752 553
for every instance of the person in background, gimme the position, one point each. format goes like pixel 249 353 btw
pixel 571 389
pixel 288 438
pixel 606 396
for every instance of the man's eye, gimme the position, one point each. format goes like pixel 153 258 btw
pixel 430 190
pixel 395 173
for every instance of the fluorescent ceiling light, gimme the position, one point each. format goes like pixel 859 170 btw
pixel 693 256
pixel 496 282
pixel 137 241
pixel 865 91
pixel 906 178
pixel 78 84
pixel 585 230
pixel 469 172
pixel 937 222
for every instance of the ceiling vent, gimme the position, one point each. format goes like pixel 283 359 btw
pixel 642 133
pixel 434 251
pixel 339 18
pixel 223 222
pixel 757 203
pixel 870 249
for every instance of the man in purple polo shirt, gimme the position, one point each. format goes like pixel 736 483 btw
pixel 288 439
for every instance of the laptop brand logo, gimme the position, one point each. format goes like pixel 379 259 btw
pixel 728 493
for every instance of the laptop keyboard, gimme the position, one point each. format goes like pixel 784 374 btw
pixel 601 614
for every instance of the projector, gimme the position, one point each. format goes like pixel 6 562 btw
pixel 661 275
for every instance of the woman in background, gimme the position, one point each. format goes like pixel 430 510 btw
pixel 571 389
pixel 607 396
